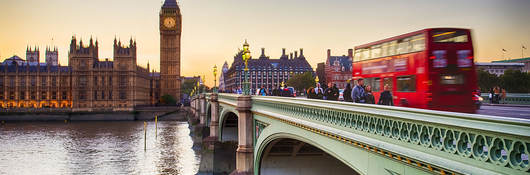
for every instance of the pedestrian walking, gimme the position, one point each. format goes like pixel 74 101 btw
pixel 319 93
pixel 331 93
pixel 357 94
pixel 368 96
pixel 503 96
pixel 386 97
pixel 347 93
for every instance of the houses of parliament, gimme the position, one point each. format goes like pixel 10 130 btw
pixel 88 83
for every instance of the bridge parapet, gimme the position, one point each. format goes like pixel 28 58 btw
pixel 443 142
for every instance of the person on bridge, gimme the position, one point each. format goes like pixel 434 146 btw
pixel 368 96
pixel 332 93
pixel 347 93
pixel 262 91
pixel 386 96
pixel 358 92
pixel 319 93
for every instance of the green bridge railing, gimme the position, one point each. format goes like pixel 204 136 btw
pixel 463 143
pixel 511 98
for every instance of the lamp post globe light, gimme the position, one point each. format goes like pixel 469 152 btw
pixel 246 57
pixel 214 78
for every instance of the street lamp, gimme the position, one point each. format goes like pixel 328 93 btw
pixel 214 78
pixel 202 83
pixel 246 57
pixel 198 86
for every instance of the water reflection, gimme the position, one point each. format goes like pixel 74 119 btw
pixel 96 148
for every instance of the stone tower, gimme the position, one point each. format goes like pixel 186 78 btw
pixel 33 56
pixel 170 32
pixel 52 56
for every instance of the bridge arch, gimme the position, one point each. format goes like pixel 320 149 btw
pixel 228 125
pixel 284 153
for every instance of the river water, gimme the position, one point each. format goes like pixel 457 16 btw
pixel 96 148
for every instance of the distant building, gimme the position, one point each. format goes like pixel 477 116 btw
pixel 525 61
pixel 339 69
pixel 86 84
pixel 321 73
pixel 264 71
pixel 222 85
pixel 498 68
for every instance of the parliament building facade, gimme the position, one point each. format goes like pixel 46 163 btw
pixel 90 84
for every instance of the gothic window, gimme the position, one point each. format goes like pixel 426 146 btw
pixel 54 81
pixel 43 95
pixel 123 80
pixel 43 81
pixel 123 95
pixel 110 95
pixel 33 95
pixel 95 95
pixel 82 81
pixel 110 81
pixel 22 95
pixel 95 81
pixel 33 81
pixel 12 95
pixel 54 95
pixel 82 95
pixel 64 95
pixel 22 81
pixel 102 95
pixel 12 81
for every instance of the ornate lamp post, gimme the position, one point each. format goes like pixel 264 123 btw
pixel 202 83
pixel 246 57
pixel 198 87
pixel 214 78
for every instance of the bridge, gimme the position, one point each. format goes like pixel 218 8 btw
pixel 279 135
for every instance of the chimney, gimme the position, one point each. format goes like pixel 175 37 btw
pixel 291 56
pixel 350 53
pixel 262 51
pixel 283 51
pixel 295 54
pixel 329 53
pixel 301 52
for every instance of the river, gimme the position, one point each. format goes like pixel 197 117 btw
pixel 96 148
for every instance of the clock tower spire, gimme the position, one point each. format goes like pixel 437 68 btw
pixel 170 31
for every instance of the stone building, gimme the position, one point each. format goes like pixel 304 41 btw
pixel 86 84
pixel 498 68
pixel 222 84
pixel 264 71
pixel 31 84
pixel 339 69
pixel 170 26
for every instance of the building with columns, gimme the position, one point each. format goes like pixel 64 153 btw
pixel 264 71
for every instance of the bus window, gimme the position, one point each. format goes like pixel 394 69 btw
pixel 388 81
pixel 376 85
pixel 384 49
pixel 376 51
pixel 449 36
pixel 403 46
pixel 357 56
pixel 392 47
pixel 418 43
pixel 452 79
pixel 406 83
pixel 365 54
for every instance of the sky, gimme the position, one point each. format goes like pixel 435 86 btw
pixel 213 30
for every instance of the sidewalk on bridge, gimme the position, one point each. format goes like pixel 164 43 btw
pixel 507 105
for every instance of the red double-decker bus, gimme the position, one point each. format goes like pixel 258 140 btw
pixel 431 69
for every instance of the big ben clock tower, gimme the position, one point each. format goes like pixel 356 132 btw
pixel 170 31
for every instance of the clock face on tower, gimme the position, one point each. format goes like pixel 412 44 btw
pixel 169 22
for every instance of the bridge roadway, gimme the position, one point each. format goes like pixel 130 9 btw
pixel 505 111
pixel 277 135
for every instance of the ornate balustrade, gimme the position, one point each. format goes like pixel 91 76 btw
pixel 445 142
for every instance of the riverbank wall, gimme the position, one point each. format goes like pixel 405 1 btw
pixel 141 114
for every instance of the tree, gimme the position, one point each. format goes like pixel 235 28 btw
pixel 168 100
pixel 486 81
pixel 515 81
pixel 188 85
pixel 301 81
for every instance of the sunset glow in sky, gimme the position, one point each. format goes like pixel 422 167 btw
pixel 213 30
